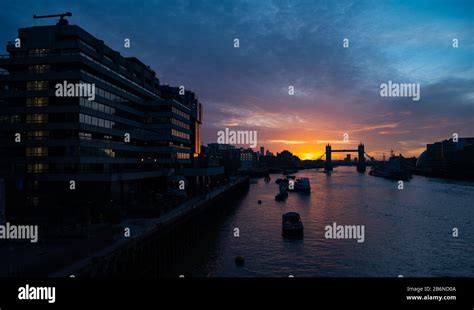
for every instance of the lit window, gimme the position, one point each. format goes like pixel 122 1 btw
pixel 38 135
pixel 109 152
pixel 37 85
pixel 85 136
pixel 39 68
pixel 37 168
pixel 38 52
pixel 37 102
pixel 36 118
pixel 36 151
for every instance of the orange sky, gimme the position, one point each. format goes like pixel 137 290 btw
pixel 301 136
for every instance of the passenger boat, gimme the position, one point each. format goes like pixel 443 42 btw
pixel 394 169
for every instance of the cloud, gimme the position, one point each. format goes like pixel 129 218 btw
pixel 246 117
pixel 374 127
pixel 288 142
pixel 336 141
pixel 190 43
pixel 400 132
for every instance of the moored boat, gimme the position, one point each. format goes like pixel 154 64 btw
pixel 278 181
pixel 283 194
pixel 300 185
pixel 292 225
pixel 394 169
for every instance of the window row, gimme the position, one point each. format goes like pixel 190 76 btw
pixel 96 152
pixel 36 118
pixel 107 94
pixel 95 121
pixel 85 136
pixel 38 135
pixel 180 113
pixel 37 102
pixel 37 85
pixel 96 106
pixel 123 77
pixel 36 151
pixel 88 46
pixel 182 155
pixel 10 119
pixel 180 123
pixel 179 134
pixel 37 168
pixel 38 52
pixel 38 69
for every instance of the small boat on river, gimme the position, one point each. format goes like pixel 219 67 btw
pixel 292 225
pixel 283 194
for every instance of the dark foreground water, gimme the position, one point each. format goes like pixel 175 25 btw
pixel 408 232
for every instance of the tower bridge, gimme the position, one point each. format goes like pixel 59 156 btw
pixel 361 164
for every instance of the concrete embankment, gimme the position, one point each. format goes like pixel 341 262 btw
pixel 144 242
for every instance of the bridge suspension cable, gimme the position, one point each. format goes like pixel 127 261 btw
pixel 371 157
pixel 324 154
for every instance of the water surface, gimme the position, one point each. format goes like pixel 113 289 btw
pixel 407 232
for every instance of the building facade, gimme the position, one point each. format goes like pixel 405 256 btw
pixel 79 153
pixel 448 158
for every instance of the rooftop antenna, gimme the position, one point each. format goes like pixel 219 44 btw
pixel 62 20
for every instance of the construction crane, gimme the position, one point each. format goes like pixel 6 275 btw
pixel 62 20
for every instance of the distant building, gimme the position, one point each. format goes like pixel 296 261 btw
pixel 232 158
pixel 267 161
pixel 448 159
pixel 286 159
pixel 219 148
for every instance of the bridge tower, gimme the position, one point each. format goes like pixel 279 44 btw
pixel 361 165
pixel 328 164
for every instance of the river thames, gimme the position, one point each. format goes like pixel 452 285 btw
pixel 408 232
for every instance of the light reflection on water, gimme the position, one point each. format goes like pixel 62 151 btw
pixel 407 231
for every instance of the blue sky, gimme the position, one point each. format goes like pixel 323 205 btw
pixel 297 43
